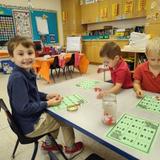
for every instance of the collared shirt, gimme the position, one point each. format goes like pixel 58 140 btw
pixel 121 74
pixel 148 80
pixel 27 103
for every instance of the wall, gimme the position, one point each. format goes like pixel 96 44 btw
pixel 41 4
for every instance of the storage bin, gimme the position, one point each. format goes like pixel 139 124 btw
pixel 7 66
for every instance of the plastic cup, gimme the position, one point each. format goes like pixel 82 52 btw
pixel 109 104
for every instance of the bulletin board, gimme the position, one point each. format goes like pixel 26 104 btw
pixel 50 20
pixel 22 23
pixel 6 29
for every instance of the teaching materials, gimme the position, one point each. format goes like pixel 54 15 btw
pixel 134 132
pixel 70 102
pixel 150 103
pixel 87 84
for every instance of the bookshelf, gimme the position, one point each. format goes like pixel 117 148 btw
pixel 133 58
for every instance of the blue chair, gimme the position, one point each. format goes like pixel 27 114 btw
pixel 26 140
pixel 94 156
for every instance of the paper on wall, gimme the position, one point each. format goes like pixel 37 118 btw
pixel 42 25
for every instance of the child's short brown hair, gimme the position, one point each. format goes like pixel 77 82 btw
pixel 15 41
pixel 110 50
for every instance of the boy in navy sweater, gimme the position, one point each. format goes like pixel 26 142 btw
pixel 29 105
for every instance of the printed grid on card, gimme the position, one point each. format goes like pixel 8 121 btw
pixel 71 100
pixel 134 132
pixel 150 103
pixel 87 84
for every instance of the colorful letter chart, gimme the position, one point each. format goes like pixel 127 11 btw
pixel 134 132
pixel 87 84
pixel 150 103
pixel 6 28
pixel 68 101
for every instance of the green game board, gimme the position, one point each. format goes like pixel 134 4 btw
pixel 87 84
pixel 134 132
pixel 149 103
pixel 68 101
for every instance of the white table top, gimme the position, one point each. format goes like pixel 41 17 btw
pixel 88 118
pixel 133 50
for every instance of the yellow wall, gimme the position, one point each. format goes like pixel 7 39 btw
pixel 41 4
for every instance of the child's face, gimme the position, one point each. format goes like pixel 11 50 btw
pixel 24 57
pixel 153 59
pixel 111 62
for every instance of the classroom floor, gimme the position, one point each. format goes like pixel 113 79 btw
pixel 8 138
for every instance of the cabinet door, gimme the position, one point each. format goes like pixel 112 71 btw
pixel 67 15
pixel 116 9
pixel 71 18
pixel 87 50
pixel 96 50
pixel 104 11
pixel 89 13
pixel 128 9
pixel 140 8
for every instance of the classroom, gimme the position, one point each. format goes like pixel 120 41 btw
pixel 79 79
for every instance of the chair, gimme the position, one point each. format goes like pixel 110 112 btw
pixel 70 63
pixel 94 156
pixel 22 138
pixel 54 66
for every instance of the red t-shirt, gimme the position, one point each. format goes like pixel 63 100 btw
pixel 121 74
pixel 147 79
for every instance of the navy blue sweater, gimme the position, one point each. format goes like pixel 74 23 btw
pixel 27 103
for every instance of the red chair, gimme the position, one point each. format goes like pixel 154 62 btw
pixel 46 50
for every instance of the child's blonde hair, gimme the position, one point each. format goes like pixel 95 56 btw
pixel 153 46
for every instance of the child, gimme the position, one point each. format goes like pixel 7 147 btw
pixel 29 105
pixel 147 75
pixel 120 74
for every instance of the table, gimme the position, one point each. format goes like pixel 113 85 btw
pixel 4 54
pixel 88 119
pixel 43 65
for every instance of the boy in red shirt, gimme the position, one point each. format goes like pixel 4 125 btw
pixel 147 75
pixel 120 73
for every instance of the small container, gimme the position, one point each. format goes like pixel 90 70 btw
pixel 109 104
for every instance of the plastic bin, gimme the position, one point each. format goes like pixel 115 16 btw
pixel 7 66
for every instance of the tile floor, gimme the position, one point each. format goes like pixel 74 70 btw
pixel 24 152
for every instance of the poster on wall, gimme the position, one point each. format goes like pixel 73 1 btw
pixel 22 23
pixel 6 29
pixel 52 38
pixel 42 25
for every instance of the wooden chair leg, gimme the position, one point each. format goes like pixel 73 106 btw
pixel 15 148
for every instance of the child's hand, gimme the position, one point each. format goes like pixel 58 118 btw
pixel 101 94
pixel 54 101
pixel 158 98
pixel 100 70
pixel 97 89
pixel 139 93
pixel 52 95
